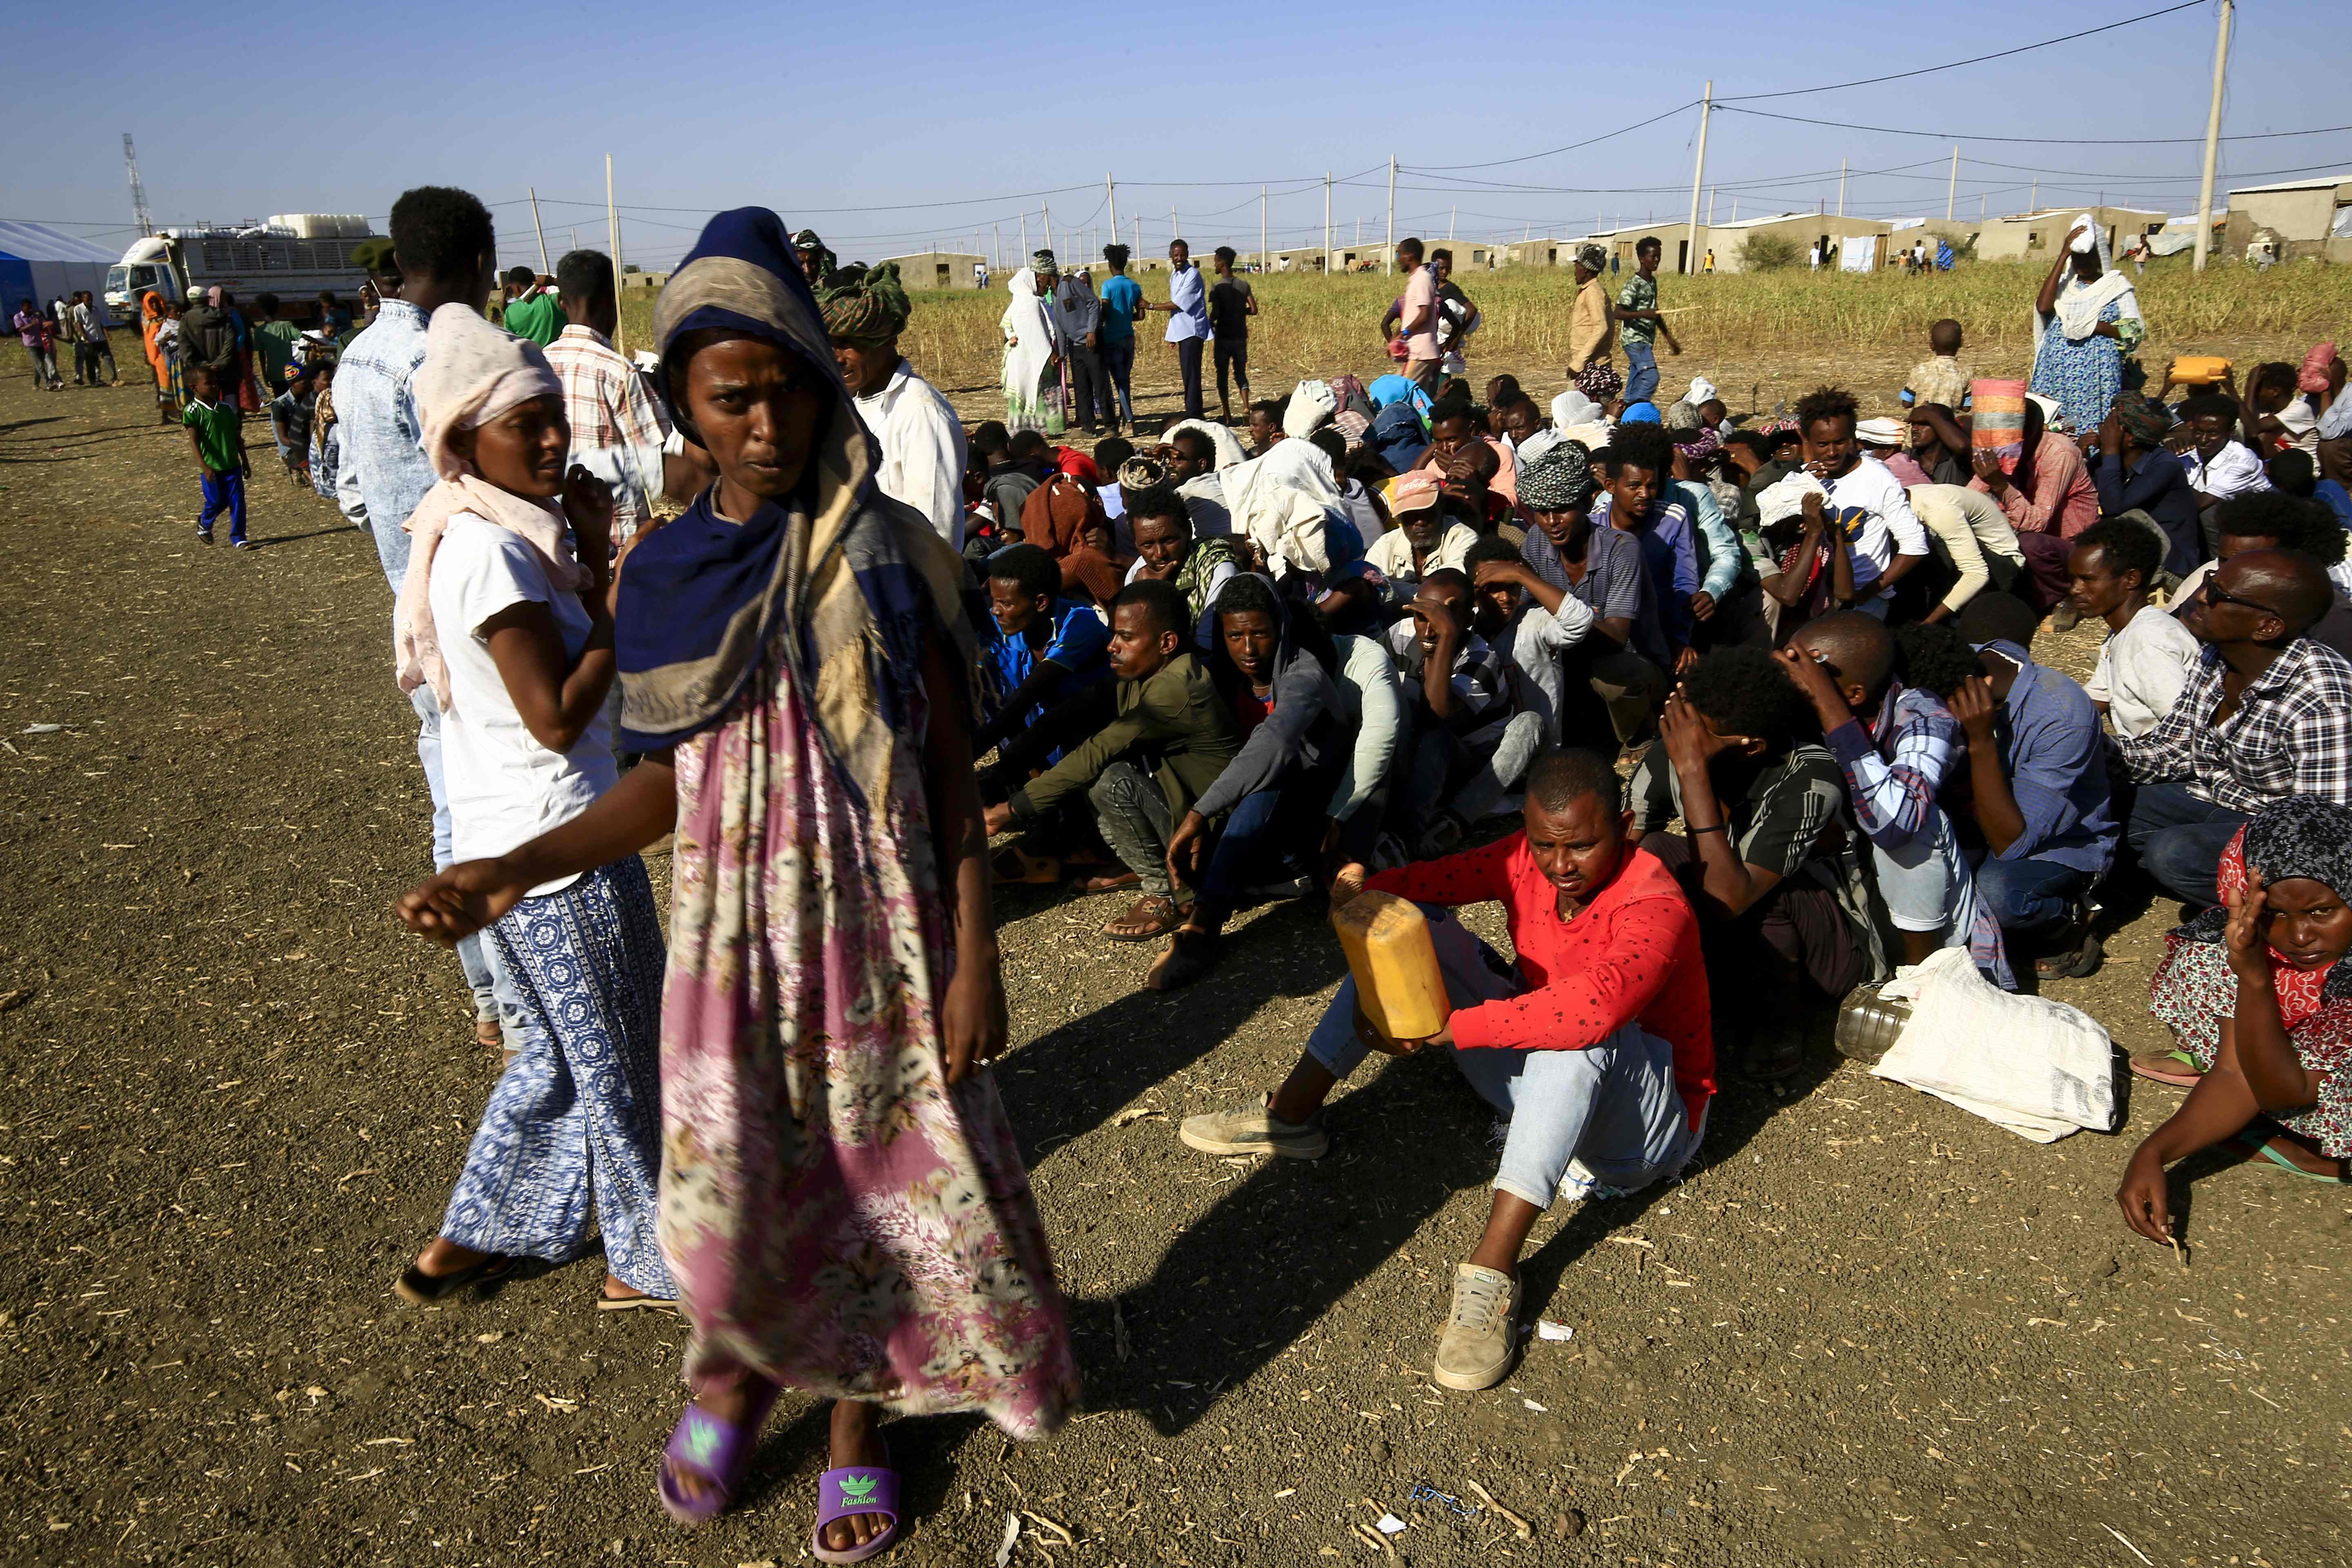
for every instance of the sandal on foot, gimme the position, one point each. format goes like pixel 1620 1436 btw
pixel 1154 914
pixel 1014 867
pixel 846 1493
pixel 2177 1069
pixel 1110 882
pixel 2255 1144
pixel 635 1303
pixel 487 1032
pixel 715 1452
pixel 2079 964
pixel 419 1289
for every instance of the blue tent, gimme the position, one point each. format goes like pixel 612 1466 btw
pixel 38 262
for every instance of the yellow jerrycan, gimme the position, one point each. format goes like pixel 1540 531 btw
pixel 1398 984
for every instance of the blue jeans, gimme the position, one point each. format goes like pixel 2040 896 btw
pixel 2180 838
pixel 481 979
pixel 2030 898
pixel 1600 1121
pixel 223 494
pixel 1188 365
pixel 1640 371
pixel 1273 834
pixel 1119 366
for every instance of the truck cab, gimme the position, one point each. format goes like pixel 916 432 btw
pixel 147 265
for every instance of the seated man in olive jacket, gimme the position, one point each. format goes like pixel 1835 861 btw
pixel 1170 740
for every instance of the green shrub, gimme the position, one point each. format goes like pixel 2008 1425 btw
pixel 1769 253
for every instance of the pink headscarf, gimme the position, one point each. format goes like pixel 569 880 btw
pixel 472 373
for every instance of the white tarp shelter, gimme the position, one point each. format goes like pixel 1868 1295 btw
pixel 1858 253
pixel 38 262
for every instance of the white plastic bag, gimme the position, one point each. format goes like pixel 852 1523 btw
pixel 2038 1068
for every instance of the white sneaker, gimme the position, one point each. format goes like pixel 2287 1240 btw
pixel 1475 1352
pixel 1254 1130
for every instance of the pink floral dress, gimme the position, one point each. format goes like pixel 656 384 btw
pixel 837 1219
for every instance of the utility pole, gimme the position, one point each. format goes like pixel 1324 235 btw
pixel 1952 196
pixel 612 217
pixel 1110 194
pixel 2212 142
pixel 1174 233
pixel 1711 206
pixel 1327 223
pixel 2033 202
pixel 1699 173
pixel 543 267
pixel 1264 261
pixel 996 246
pixel 1451 214
pixel 1025 239
pixel 1981 207
pixel 1391 264
pixel 1045 211
pixel 1841 187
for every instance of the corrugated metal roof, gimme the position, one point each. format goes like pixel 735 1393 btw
pixel 2345 178
pixel 40 242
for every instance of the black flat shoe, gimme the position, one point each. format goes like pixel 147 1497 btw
pixel 419 1289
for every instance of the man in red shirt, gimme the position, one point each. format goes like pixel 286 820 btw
pixel 1596 1044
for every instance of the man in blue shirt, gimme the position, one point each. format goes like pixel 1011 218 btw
pixel 1122 307
pixel 445 249
pixel 1037 649
pixel 2038 793
pixel 1188 323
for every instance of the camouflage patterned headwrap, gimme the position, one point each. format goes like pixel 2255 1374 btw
pixel 869 312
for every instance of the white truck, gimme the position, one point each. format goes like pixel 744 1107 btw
pixel 295 256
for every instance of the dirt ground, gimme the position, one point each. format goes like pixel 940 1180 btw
pixel 1867 1328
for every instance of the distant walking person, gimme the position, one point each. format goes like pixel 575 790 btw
pixel 1591 369
pixel 1122 307
pixel 1188 321
pixel 1640 323
pixel 1231 305
pixel 1033 352
pixel 1417 318
pixel 217 432
pixel 90 340
pixel 40 342
pixel 1077 321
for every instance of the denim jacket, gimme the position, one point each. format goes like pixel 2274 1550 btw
pixel 385 471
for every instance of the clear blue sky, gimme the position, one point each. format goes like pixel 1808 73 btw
pixel 809 110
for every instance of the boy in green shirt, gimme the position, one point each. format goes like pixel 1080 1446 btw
pixel 530 308
pixel 216 431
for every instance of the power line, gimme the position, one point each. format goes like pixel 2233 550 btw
pixel 2035 141
pixel 1497 163
pixel 1973 60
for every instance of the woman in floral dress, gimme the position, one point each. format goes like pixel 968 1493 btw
pixel 842 1202
pixel 2259 995
pixel 2087 323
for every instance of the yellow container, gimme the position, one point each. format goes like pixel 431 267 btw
pixel 1398 984
pixel 2199 370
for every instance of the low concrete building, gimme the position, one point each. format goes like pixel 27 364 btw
pixel 1806 231
pixel 940 269
pixel 1536 253
pixel 2032 236
pixel 2305 217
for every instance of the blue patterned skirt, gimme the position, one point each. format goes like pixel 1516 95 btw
pixel 572 1136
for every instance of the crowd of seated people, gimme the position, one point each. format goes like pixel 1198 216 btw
pixel 1763 694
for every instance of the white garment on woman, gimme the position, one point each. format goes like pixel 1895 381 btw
pixel 1030 336
pixel 505 788
pixel 1278 503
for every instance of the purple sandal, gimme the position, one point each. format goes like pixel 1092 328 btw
pixel 715 1452
pixel 846 1493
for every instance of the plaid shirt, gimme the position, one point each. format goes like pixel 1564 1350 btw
pixel 1892 773
pixel 1482 696
pixel 617 430
pixel 2291 733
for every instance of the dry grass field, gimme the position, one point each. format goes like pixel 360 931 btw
pixel 1746 331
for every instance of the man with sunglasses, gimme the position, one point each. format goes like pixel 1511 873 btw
pixel 2267 713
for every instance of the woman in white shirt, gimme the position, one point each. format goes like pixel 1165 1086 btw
pixel 514 633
